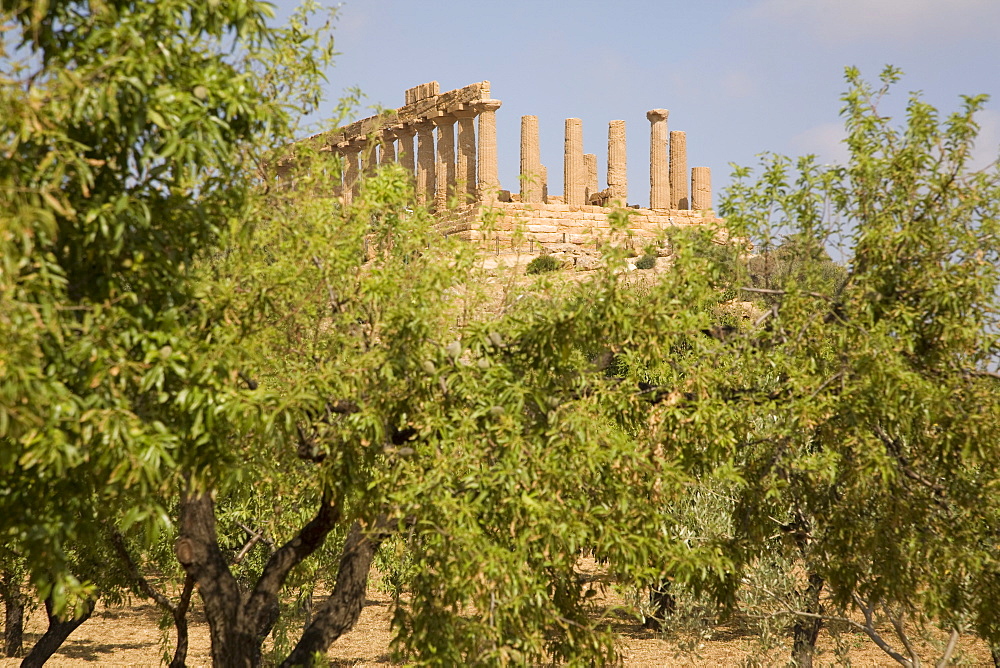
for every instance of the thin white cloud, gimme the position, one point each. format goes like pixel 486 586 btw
pixel 910 22
pixel 987 148
pixel 826 141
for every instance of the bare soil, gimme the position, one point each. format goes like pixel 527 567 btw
pixel 130 636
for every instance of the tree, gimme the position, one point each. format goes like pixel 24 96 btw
pixel 866 406
pixel 176 343
pixel 192 344
pixel 129 134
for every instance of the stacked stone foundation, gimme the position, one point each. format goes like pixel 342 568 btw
pixel 528 229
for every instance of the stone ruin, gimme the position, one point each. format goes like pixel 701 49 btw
pixel 456 175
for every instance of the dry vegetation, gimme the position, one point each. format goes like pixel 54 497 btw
pixel 130 636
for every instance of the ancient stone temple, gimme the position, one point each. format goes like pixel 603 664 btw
pixel 448 143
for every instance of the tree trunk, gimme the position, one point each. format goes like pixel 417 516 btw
pixel 234 644
pixel 806 629
pixel 238 625
pixel 178 612
pixel 55 635
pixel 995 654
pixel 13 604
pixel 342 608
pixel 180 623
pixel 663 604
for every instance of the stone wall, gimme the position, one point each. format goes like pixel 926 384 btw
pixel 528 229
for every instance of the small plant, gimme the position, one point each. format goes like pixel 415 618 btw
pixel 543 264
pixel 646 262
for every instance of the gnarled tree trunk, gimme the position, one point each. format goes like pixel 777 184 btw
pixel 238 624
pixel 663 604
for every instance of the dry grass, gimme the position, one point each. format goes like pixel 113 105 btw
pixel 129 636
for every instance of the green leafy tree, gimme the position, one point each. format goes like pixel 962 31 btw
pixel 130 137
pixel 868 399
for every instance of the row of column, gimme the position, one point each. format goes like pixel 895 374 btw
pixel 439 171
pixel 668 185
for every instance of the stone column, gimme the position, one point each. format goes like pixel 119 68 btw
pixel 701 188
pixel 678 171
pixel 387 147
pixel 466 168
pixel 531 162
pixel 352 175
pixel 368 157
pixel 574 177
pixel 659 175
pixel 425 162
pixel 404 140
pixel 617 179
pixel 445 165
pixel 489 181
pixel 590 166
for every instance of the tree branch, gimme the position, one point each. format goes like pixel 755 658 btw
pixel 264 597
pixel 948 650
pixel 766 291
pixel 121 549
pixel 342 608
pixel 893 447
pixel 869 629
pixel 897 626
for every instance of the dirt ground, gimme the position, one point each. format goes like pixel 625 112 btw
pixel 130 636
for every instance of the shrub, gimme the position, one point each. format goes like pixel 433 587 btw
pixel 646 262
pixel 543 264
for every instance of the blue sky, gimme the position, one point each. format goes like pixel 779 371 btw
pixel 739 76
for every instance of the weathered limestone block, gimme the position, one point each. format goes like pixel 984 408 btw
pixel 422 92
pixel 532 227
pixel 601 198
pixel 701 188
pixel 659 179
pixel 531 163
pixel 678 171
pixel 617 178
pixel 574 177
pixel 425 162
pixel 444 166
pixel 465 171
pixel 489 181
pixel 590 165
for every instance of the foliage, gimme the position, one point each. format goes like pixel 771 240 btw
pixel 130 138
pixel 543 264
pixel 875 398
pixel 646 262
pixel 197 353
